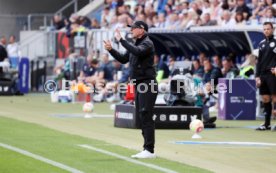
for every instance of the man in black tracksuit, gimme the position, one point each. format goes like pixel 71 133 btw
pixel 265 75
pixel 140 56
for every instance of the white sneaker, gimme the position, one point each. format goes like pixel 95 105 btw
pixel 144 155
pixel 113 98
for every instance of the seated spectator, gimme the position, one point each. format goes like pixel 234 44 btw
pixel 227 20
pixel 106 69
pixel 58 22
pixel 239 19
pixel 206 21
pixel 217 61
pixel 201 57
pixel 197 69
pixel 269 16
pixel 161 68
pixel 243 9
pixel 211 73
pixel 88 72
pixel 85 21
pixel 94 24
pixel 161 23
pixel 106 17
pixel 74 27
pixel 64 70
pixel 110 92
pixel 228 68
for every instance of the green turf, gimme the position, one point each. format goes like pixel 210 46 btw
pixel 11 162
pixel 37 109
pixel 64 148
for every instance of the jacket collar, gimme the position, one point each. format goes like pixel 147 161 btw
pixel 142 38
pixel 270 37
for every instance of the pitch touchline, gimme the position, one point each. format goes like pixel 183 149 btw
pixel 43 159
pixel 258 144
pixel 127 159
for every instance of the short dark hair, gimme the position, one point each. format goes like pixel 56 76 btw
pixel 196 60
pixel 269 23
pixel 94 61
pixel 172 57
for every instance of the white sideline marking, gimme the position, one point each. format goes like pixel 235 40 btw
pixel 256 144
pixel 127 159
pixel 43 159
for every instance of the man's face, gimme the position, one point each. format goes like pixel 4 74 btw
pixel 207 66
pixel 3 40
pixel 12 39
pixel 156 59
pixel 195 64
pixel 268 30
pixel 105 58
pixel 136 32
pixel 226 65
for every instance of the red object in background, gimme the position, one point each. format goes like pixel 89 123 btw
pixel 63 43
pixel 130 93
pixel 88 97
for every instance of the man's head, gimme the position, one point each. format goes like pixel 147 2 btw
pixel 207 17
pixel 3 40
pixel 105 58
pixel 12 39
pixel 94 63
pixel 217 60
pixel 89 58
pixel 156 59
pixel 207 65
pixel 268 29
pixel 196 64
pixel 138 29
pixel 227 64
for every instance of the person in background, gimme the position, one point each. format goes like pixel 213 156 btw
pixel 197 69
pixel 89 70
pixel 162 69
pixel 228 69
pixel 265 74
pixel 58 22
pixel 63 71
pixel 217 61
pixel 13 47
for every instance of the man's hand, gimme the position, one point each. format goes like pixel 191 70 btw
pixel 107 45
pixel 258 82
pixel 118 35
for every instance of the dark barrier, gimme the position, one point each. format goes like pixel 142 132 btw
pixel 166 117
pixel 38 74
pixel 188 44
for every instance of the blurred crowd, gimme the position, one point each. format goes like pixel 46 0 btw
pixel 174 14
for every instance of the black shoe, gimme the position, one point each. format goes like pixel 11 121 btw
pixel 263 127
